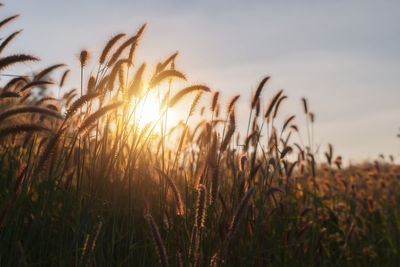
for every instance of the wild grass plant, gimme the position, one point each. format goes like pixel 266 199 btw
pixel 81 184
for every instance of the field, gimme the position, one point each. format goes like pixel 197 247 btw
pixel 85 182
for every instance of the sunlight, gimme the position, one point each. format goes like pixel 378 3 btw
pixel 148 111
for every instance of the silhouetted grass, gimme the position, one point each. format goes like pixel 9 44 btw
pixel 81 184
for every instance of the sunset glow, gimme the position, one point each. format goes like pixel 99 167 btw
pixel 199 133
pixel 148 111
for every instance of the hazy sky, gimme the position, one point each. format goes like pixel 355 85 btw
pixel 343 56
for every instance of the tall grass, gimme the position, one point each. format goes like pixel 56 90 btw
pixel 81 184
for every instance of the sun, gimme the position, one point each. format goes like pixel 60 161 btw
pixel 148 112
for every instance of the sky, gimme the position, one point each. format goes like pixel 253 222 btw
pixel 343 56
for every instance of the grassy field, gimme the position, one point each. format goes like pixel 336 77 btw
pixel 84 182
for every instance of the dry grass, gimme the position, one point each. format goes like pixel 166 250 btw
pixel 79 178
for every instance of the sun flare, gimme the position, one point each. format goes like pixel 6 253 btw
pixel 148 111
